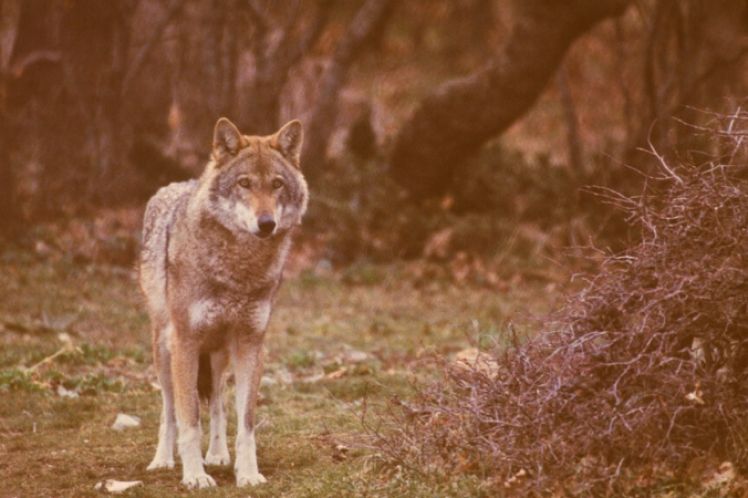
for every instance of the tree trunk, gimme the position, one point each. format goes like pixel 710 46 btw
pixel 8 211
pixel 575 156
pixel 276 52
pixel 214 18
pixel 462 114
pixel 262 115
pixel 367 25
pixel 10 15
pixel 109 112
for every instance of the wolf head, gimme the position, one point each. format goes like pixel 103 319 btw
pixel 254 184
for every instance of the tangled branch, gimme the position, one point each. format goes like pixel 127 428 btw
pixel 641 371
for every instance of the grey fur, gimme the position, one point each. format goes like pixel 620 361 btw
pixel 209 281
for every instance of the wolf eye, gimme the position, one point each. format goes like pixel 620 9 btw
pixel 277 183
pixel 244 183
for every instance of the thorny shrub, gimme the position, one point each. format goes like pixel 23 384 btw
pixel 641 372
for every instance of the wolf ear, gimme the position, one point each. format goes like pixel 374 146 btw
pixel 226 138
pixel 288 141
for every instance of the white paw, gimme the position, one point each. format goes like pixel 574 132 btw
pixel 219 458
pixel 198 481
pixel 250 479
pixel 161 463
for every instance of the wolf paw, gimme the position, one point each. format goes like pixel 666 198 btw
pixel 198 481
pixel 219 458
pixel 250 479
pixel 161 463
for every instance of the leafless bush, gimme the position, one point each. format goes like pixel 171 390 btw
pixel 643 369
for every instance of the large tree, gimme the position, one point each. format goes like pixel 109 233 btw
pixel 462 114
pixel 363 31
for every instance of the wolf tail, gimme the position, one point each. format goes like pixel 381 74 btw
pixel 204 376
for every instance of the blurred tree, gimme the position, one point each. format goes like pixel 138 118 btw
pixel 694 54
pixel 362 141
pixel 101 66
pixel 281 37
pixel 113 99
pixel 462 114
pixel 365 28
pixel 10 15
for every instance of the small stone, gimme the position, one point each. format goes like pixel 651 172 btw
pixel 124 421
pixel 66 393
pixel 116 487
pixel 267 380
pixel 355 356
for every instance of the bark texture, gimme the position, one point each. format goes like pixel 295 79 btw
pixel 462 114
pixel 366 27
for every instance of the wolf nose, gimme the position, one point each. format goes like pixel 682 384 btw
pixel 266 224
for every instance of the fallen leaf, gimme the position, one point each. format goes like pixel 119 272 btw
pixel 339 452
pixel 722 477
pixel 437 247
pixel 337 373
pixel 696 396
pixel 697 350
pixel 473 358
pixel 311 379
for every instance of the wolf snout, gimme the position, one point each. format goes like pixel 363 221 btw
pixel 266 225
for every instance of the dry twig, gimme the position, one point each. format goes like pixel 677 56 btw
pixel 642 370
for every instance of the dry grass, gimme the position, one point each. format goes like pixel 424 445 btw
pixel 310 433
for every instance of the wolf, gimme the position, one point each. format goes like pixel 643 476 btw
pixel 212 257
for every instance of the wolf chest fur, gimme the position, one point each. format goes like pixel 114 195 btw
pixel 211 261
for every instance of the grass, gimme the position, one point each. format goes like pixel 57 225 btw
pixel 333 342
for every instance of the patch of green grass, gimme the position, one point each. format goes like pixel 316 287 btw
pixel 363 273
pixel 94 383
pixel 301 359
pixel 54 446
pixel 15 379
pixel 92 354
pixel 25 353
pixel 88 354
pixel 309 279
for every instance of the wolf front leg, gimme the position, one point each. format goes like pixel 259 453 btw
pixel 184 365
pixel 164 457
pixel 246 357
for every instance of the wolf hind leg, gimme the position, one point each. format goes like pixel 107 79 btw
pixel 246 357
pixel 167 431
pixel 218 450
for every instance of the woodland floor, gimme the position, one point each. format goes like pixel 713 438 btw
pixel 339 344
